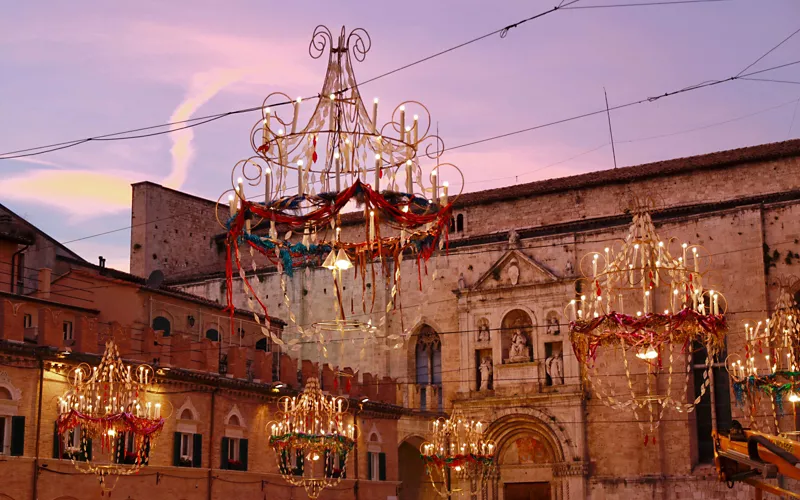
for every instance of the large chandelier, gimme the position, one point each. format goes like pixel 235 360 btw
pixel 771 360
pixel 344 158
pixel 107 406
pixel 311 439
pixel 638 297
pixel 457 446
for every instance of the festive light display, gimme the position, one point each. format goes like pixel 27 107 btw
pixel 312 439
pixel 343 158
pixel 106 418
pixel 771 360
pixel 640 274
pixel 457 445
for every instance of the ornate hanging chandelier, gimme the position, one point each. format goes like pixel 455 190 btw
pixel 637 296
pixel 771 360
pixel 343 160
pixel 106 418
pixel 457 445
pixel 311 439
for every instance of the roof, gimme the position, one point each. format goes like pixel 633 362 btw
pixel 21 222
pixel 114 274
pixel 52 303
pixel 720 159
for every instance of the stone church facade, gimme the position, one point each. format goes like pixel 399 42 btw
pixel 487 335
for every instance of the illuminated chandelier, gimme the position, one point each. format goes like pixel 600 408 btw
pixel 457 445
pixel 640 298
pixel 311 439
pixel 771 360
pixel 304 177
pixel 107 406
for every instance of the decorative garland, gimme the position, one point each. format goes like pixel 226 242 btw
pixel 649 330
pixel 338 442
pixel 776 385
pixel 458 460
pixel 119 422
pixel 387 206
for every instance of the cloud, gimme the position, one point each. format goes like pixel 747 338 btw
pixel 204 86
pixel 80 193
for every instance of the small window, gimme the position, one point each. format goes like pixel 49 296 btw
pixel 263 345
pixel 4 432
pixel 233 450
pixel 240 331
pixel 212 334
pixel 72 440
pixel 186 414
pixel 27 321
pixel 162 324
pixel 234 420
pixel 67 329
pixel 186 446
pixel 460 223
pixel 376 466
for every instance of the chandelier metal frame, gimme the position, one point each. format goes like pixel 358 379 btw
pixel 638 274
pixel 457 445
pixel 311 439
pixel 342 157
pixel 108 404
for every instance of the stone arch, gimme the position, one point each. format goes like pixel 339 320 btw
pixel 235 412
pixel 216 326
pixel 506 422
pixel 14 394
pixel 187 406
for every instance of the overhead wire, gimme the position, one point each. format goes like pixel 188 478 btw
pixel 209 118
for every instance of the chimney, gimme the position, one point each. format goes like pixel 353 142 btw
pixel 45 275
pixel 102 262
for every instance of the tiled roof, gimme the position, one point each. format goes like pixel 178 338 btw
pixel 720 159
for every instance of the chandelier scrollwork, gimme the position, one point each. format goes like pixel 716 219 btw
pixel 312 439
pixel 642 298
pixel 107 407
pixel 771 360
pixel 457 445
pixel 306 176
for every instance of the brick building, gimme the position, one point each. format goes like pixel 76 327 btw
pixel 513 259
pixel 217 381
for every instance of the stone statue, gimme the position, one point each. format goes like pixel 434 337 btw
pixel 555 368
pixel 568 269
pixel 513 239
pixel 462 283
pixel 483 333
pixel 486 371
pixel 513 272
pixel 553 327
pixel 519 351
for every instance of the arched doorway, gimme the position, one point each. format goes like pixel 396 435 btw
pixel 527 451
pixel 414 482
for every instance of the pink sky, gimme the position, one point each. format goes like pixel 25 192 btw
pixel 84 68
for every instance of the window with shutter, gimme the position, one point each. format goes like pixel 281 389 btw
pixel 197 450
pixel 17 436
pixel 381 466
pixel 223 464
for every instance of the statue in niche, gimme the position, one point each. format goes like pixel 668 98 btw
pixel 555 367
pixel 462 283
pixel 568 269
pixel 553 328
pixel 513 272
pixel 519 351
pixel 513 239
pixel 486 371
pixel 483 332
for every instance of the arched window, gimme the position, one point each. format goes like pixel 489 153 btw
pixel 460 223
pixel 261 345
pixel 452 224
pixel 5 393
pixel 161 323
pixel 187 414
pixel 234 420
pixel 428 364
pixel 212 334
